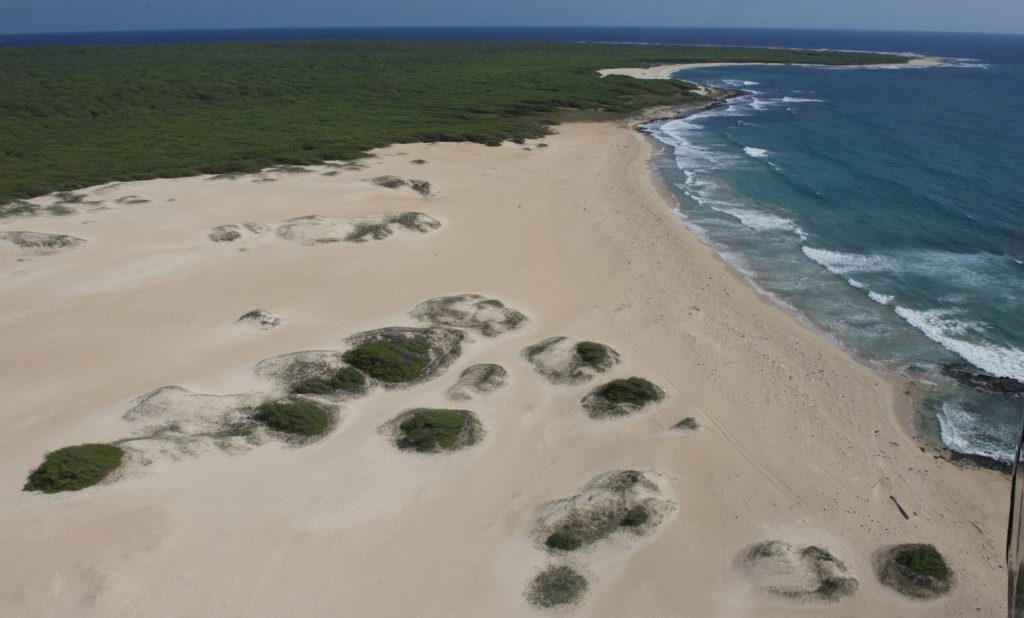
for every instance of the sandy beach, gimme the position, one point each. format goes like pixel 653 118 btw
pixel 664 71
pixel 797 442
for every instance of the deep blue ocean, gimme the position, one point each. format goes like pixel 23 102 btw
pixel 884 207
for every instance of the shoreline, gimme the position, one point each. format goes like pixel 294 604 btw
pixel 797 441
pixel 911 420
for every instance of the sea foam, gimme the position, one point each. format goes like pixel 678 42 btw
pixel 757 153
pixel 839 263
pixel 963 432
pixel 936 324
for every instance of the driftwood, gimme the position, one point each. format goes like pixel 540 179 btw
pixel 902 512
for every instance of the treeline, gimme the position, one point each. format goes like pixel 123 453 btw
pixel 73 116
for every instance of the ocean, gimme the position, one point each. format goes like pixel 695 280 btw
pixel 884 207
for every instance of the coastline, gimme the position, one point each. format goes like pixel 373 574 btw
pixel 799 442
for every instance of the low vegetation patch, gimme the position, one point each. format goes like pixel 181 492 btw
pixel 564 361
pixel 915 570
pixel 347 380
pixel 75 467
pixel 555 586
pixel 592 354
pixel 621 501
pixel 298 418
pixel 687 424
pixel 21 208
pixel 428 430
pixel 487 316
pixel 391 360
pixel 808 573
pixel 621 397
pixel 382 226
pixel 400 356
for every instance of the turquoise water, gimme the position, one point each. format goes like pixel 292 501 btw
pixel 884 206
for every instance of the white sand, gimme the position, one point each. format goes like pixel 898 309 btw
pixel 798 442
pixel 665 71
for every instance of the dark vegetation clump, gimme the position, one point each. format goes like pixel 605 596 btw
pixel 75 467
pixel 563 541
pixel 636 516
pixel 345 380
pixel 428 431
pixel 915 570
pixel 299 418
pixel 687 424
pixel 621 397
pixel 224 233
pixel 391 360
pixel 419 161
pixel 592 354
pixel 63 106
pixel 556 585
pixel 261 319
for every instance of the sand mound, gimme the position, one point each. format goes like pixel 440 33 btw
pixel 397 182
pixel 562 360
pixel 800 573
pixel 317 229
pixel 427 430
pixel 623 503
pixel 41 243
pixel 915 570
pixel 176 421
pixel 289 370
pixel 402 356
pixel 487 316
pixel 258 318
pixel 478 380
pixel 232 232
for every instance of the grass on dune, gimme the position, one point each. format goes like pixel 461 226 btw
pixel 75 467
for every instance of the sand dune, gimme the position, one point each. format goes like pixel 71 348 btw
pixel 797 443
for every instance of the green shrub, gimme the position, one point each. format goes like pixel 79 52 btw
pixel 633 391
pixel 593 354
pixel 431 430
pixel 689 423
pixel 346 380
pixel 635 517
pixel 562 541
pixel 74 467
pixel 391 360
pixel 923 560
pixel 299 418
pixel 556 585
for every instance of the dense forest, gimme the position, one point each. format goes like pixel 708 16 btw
pixel 73 116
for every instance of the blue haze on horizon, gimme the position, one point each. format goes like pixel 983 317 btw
pixel 37 16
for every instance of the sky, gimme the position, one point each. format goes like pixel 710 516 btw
pixel 23 16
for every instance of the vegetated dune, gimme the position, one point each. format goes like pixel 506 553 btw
pixel 41 243
pixel 562 360
pixel 317 229
pixel 487 316
pixel 803 574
